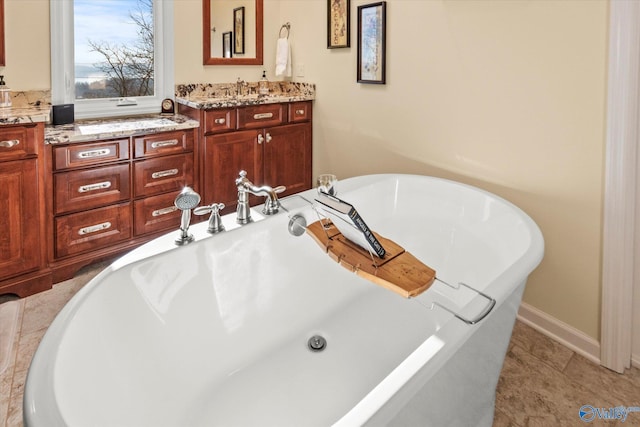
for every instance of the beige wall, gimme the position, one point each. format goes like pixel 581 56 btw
pixel 506 95
pixel 27 45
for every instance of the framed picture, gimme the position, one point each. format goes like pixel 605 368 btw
pixel 338 23
pixel 371 42
pixel 238 29
pixel 226 44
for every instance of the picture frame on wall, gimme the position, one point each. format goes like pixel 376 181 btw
pixel 226 44
pixel 372 43
pixel 238 30
pixel 338 24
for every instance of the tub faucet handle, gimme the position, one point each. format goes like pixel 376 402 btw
pixel 215 221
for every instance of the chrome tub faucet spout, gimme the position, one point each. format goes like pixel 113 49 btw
pixel 245 187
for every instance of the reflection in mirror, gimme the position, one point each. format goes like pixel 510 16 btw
pixel 235 16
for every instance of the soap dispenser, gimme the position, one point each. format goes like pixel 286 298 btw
pixel 5 94
pixel 263 85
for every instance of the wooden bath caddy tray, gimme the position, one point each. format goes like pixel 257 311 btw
pixel 398 271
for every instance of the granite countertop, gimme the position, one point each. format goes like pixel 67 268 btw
pixel 223 95
pixel 90 130
pixel 25 115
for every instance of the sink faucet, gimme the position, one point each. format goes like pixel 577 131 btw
pixel 240 85
pixel 271 205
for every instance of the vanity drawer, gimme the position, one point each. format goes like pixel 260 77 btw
pixel 260 116
pixel 169 173
pixel 156 213
pixel 92 229
pixel 17 142
pixel 90 188
pixel 95 153
pixel 163 143
pixel 299 111
pixel 218 121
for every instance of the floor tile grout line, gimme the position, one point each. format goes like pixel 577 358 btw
pixel 545 362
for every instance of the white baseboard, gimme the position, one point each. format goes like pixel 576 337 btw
pixel 559 331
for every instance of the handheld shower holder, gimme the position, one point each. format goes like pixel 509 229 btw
pixel 186 200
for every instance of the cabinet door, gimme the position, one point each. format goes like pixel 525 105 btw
pixel 19 235
pixel 224 156
pixel 287 157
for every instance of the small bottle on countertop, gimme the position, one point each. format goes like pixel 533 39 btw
pixel 5 94
pixel 263 85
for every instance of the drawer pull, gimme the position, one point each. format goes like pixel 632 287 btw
pixel 167 143
pixel 94 153
pixel 94 187
pixel 220 121
pixel 162 174
pixel 300 112
pixel 164 211
pixel 94 228
pixel 9 143
pixel 262 116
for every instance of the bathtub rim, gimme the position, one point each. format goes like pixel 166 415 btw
pixel 44 367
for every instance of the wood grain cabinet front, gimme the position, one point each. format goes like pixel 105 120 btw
pixel 219 121
pixel 93 229
pixel 23 238
pixel 17 142
pixel 157 213
pixel 90 154
pixel 162 174
pixel 107 197
pixel 90 188
pixel 19 232
pixel 271 142
pixel 163 143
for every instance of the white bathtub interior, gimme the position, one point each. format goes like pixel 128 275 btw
pixel 226 319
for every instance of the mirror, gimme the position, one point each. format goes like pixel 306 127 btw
pixel 222 20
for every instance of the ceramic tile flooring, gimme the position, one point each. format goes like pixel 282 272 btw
pixel 542 382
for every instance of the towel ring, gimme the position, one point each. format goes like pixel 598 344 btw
pixel 287 27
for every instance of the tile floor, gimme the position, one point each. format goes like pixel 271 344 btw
pixel 542 382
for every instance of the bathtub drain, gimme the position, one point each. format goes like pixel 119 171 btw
pixel 317 343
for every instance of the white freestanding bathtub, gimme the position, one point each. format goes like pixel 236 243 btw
pixel 216 332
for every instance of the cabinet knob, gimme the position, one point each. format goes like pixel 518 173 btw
pixel 94 228
pixel 220 121
pixel 163 211
pixel 94 153
pixel 93 187
pixel 10 143
pixel 260 138
pixel 269 137
pixel 165 173
pixel 168 143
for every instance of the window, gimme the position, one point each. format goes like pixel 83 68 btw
pixel 111 57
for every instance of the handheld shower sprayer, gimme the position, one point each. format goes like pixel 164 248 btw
pixel 185 201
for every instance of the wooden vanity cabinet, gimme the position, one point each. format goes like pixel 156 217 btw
pixel 23 269
pixel 109 196
pixel 272 142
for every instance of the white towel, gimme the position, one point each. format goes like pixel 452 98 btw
pixel 283 58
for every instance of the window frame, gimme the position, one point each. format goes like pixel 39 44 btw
pixel 63 64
